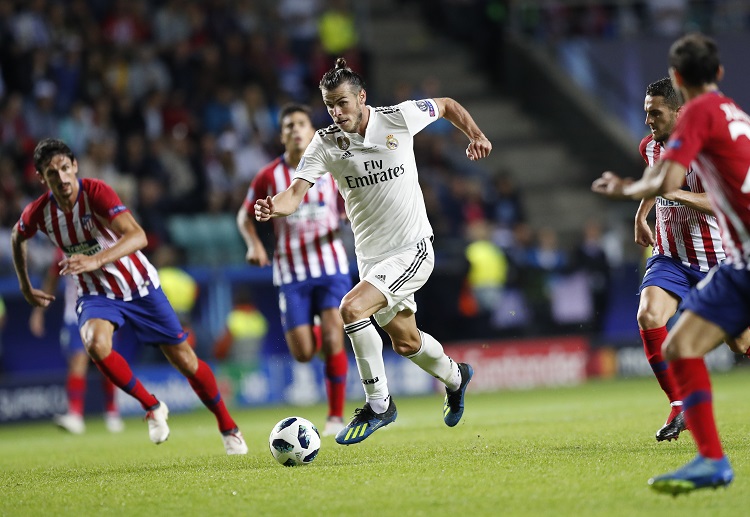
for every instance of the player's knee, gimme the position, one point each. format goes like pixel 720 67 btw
pixel 98 347
pixel 302 356
pixel 648 318
pixel 350 310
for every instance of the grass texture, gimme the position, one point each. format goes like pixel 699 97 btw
pixel 575 451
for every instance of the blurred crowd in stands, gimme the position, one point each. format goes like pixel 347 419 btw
pixel 559 19
pixel 174 104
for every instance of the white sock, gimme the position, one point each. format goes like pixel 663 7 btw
pixel 432 359
pixel 368 353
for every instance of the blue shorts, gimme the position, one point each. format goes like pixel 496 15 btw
pixel 152 317
pixel 300 301
pixel 70 340
pixel 671 275
pixel 723 298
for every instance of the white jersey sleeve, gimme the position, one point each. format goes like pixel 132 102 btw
pixel 419 114
pixel 316 161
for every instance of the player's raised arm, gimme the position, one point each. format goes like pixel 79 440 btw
pixel 283 203
pixel 479 146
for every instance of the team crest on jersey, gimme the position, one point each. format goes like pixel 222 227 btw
pixel 391 142
pixel 87 223
pixel 342 142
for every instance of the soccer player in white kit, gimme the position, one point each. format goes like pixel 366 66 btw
pixel 369 151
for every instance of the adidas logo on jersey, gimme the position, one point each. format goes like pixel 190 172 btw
pixel 380 277
pixel 347 155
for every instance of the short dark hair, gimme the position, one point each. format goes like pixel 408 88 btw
pixel 663 88
pixel 696 57
pixel 288 109
pixel 47 149
pixel 339 75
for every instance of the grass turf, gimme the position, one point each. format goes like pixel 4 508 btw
pixel 579 451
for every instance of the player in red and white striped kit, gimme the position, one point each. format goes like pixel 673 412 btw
pixel 116 284
pixel 686 244
pixel 712 136
pixel 310 266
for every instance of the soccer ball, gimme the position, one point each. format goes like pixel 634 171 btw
pixel 294 441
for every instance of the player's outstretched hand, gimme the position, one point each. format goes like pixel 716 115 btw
pixel 610 185
pixel 264 209
pixel 479 148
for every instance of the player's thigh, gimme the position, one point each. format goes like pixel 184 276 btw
pixel 398 277
pixel 692 336
pixel 361 302
pixel 656 306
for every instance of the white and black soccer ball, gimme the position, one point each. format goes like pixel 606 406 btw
pixel 294 441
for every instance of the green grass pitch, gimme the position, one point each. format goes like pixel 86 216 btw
pixel 574 451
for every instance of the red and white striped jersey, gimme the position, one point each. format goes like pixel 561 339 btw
pixel 84 230
pixel 683 233
pixel 713 133
pixel 307 242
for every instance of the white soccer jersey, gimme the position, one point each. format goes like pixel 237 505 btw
pixel 377 177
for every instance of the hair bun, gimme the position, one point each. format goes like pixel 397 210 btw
pixel 340 63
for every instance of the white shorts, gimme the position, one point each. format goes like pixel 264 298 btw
pixel 398 277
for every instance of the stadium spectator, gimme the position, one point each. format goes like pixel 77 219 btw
pixel 379 188
pixel 590 258
pixel 116 284
pixel 310 266
pixel 75 353
pixel 712 134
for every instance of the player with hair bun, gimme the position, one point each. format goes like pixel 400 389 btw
pixel 369 151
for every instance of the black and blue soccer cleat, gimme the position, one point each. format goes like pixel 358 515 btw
pixel 453 407
pixel 365 422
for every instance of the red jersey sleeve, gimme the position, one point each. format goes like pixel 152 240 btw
pixel 32 218
pixel 103 199
pixel 693 128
